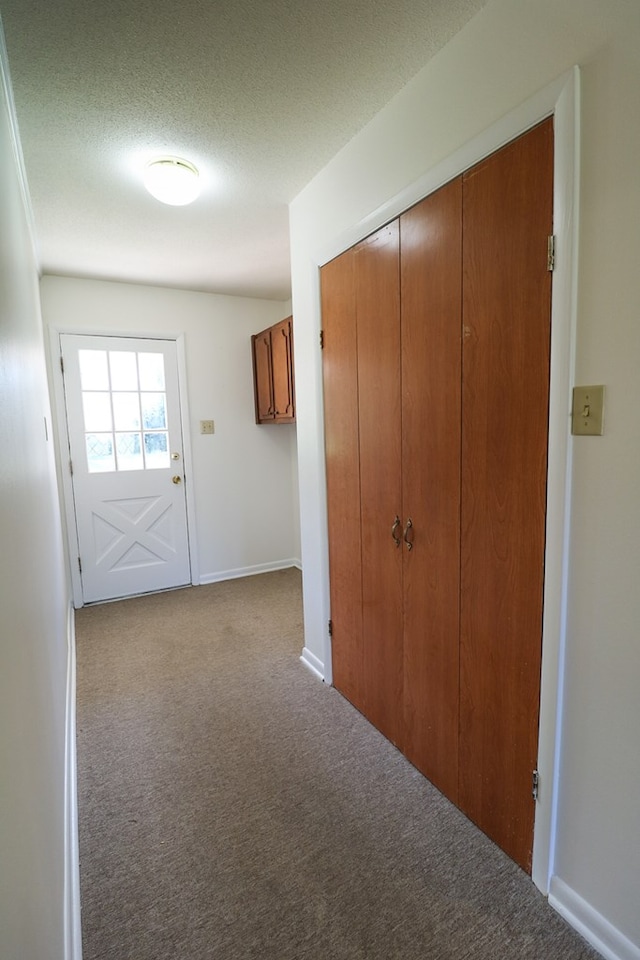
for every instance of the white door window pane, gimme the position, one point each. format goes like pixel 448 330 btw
pixel 126 411
pixel 156 451
pixel 154 416
pixel 100 458
pixel 97 412
pixel 124 370
pixel 129 451
pixel 94 374
pixel 151 368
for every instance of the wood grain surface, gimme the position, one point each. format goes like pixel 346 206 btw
pixel 342 451
pixel 431 245
pixel 507 215
pixel 378 311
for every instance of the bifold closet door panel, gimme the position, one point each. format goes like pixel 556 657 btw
pixel 378 325
pixel 431 296
pixel 340 379
pixel 507 218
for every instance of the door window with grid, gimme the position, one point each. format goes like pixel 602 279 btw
pixel 124 406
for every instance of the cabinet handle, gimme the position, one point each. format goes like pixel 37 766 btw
pixel 396 524
pixel 408 527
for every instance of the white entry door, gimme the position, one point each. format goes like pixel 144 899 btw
pixel 125 438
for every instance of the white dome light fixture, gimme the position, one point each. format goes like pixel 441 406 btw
pixel 172 180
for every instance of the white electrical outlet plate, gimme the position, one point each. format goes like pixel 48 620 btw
pixel 207 426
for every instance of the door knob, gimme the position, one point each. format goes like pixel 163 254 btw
pixel 175 456
pixel 176 479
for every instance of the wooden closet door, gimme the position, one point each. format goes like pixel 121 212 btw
pixel 431 250
pixel 378 323
pixel 342 451
pixel 507 217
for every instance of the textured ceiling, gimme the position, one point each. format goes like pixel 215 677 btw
pixel 259 94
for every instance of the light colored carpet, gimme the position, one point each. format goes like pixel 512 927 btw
pixel 234 807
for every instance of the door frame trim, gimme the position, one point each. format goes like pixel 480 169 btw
pixel 560 99
pixel 61 445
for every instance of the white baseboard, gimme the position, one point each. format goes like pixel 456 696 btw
pixel 602 935
pixel 312 663
pixel 72 928
pixel 249 571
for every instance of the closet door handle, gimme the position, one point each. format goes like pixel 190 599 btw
pixel 408 527
pixel 396 524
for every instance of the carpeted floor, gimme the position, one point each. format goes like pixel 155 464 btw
pixel 233 807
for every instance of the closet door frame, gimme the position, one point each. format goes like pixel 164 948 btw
pixel 560 100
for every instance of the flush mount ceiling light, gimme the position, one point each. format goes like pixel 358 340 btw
pixel 172 180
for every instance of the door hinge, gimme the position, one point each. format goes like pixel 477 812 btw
pixel 330 626
pixel 71 467
pixel 62 365
pixel 551 252
pixel 322 339
pixel 535 784
pixel 79 564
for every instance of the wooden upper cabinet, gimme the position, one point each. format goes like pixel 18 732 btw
pixel 272 351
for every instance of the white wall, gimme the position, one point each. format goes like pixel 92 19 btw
pixel 34 650
pixel 508 52
pixel 244 475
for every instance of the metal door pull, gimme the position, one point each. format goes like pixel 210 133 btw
pixel 408 527
pixel 396 524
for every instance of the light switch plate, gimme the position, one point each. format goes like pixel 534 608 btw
pixel 207 426
pixel 588 411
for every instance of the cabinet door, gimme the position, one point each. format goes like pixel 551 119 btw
pixel 378 331
pixel 263 376
pixel 340 378
pixel 431 241
pixel 507 216
pixel 282 367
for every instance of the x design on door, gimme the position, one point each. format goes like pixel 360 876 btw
pixel 125 442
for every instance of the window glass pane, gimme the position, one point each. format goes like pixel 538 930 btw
pixel 129 451
pixel 93 369
pixel 151 366
pixel 154 415
pixel 100 456
pixel 126 411
pixel 124 371
pixel 97 411
pixel 156 451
